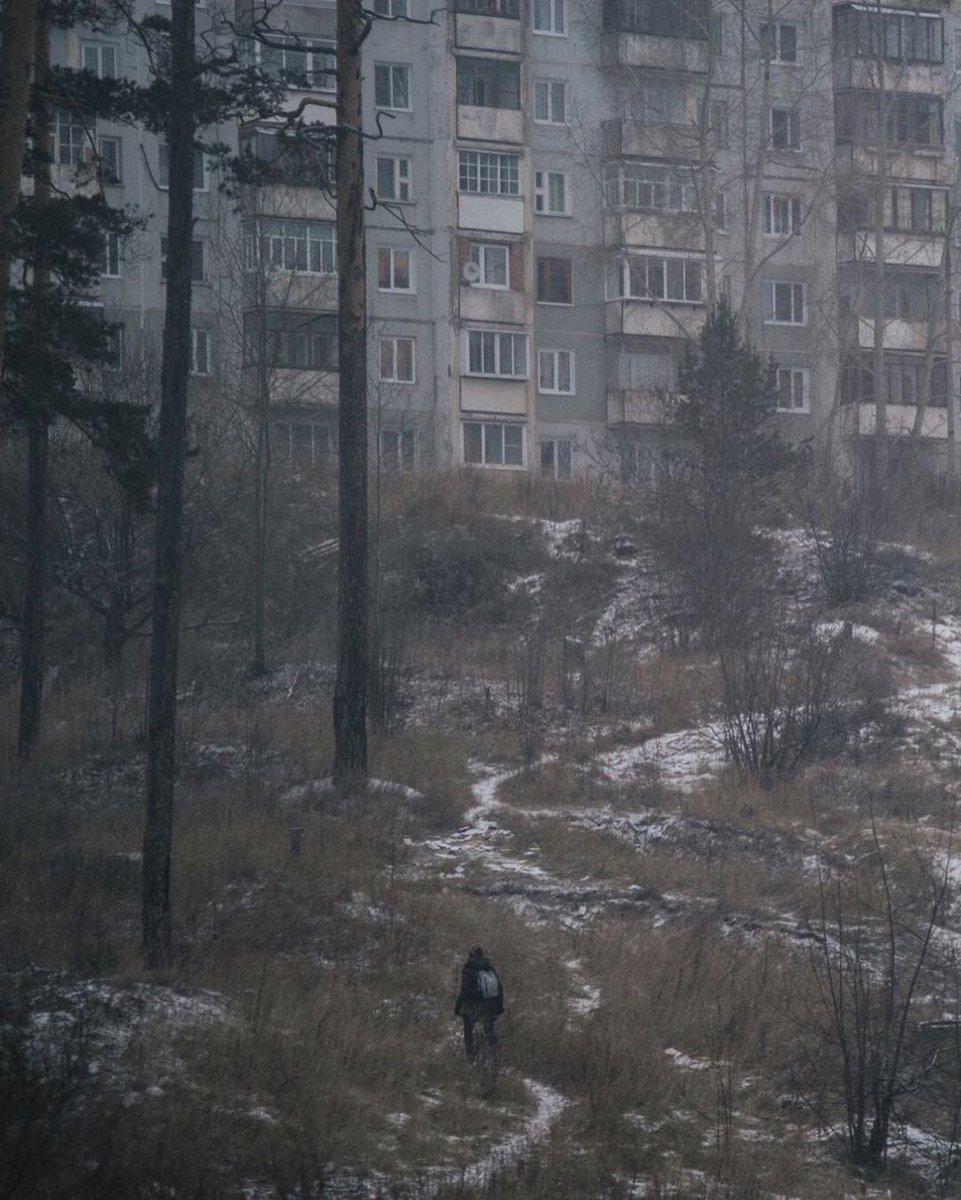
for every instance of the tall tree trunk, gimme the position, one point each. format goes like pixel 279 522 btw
pixel 172 453
pixel 32 612
pixel 38 442
pixel 18 31
pixel 350 689
pixel 262 470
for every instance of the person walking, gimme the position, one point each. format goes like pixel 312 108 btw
pixel 481 998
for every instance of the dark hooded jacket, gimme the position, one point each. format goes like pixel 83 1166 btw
pixel 470 1003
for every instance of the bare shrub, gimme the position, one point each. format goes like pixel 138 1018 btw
pixel 844 514
pixel 779 698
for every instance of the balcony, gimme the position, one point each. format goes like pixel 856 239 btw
pixel 651 139
pixel 495 306
pixel 490 124
pixel 625 49
pixel 859 420
pixel 862 73
pixel 646 318
pixel 898 334
pixel 493 214
pixel 899 249
pixel 476 31
pixel 908 164
pixel 667 230
pixel 625 407
pixel 505 397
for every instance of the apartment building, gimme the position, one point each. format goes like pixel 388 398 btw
pixel 562 188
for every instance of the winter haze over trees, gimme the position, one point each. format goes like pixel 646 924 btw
pixel 479 474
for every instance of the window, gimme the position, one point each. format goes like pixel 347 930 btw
pixel 292 339
pixel 660 103
pixel 392 86
pixel 391 8
pixel 393 179
pixel 555 281
pixel 493 264
pixel 782 215
pixel 779 43
pixel 200 363
pixel 488 83
pixel 550 193
pixel 502 355
pixel 108 149
pixel 396 359
pixel 902 119
pixel 489 8
pixel 646 372
pixel 784 303
pixel 917 209
pixel 655 277
pixel 69 137
pixel 785 129
pixel 549 16
pixel 163 168
pixel 550 101
pixel 556 455
pixel 792 389
pixel 302 63
pixel 197 273
pixel 904 380
pixel 308 247
pixel 894 36
pixel 489 174
pixel 300 443
pixel 395 270
pixel 291 159
pixel 100 58
pixel 718 124
pixel 110 259
pixel 493 444
pixel 397 449
pixel 115 347
pixel 555 372
pixel 910 295
pixel 679 18
pixel 641 186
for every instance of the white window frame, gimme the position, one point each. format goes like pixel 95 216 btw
pixel 117 180
pixel 622 277
pixel 545 99
pixel 400 170
pixel 552 360
pixel 99 49
pixel 390 105
pixel 112 260
pixel 401 434
pixel 776 42
pixel 497 351
pixel 792 209
pixel 163 168
pixel 542 193
pixel 793 128
pixel 549 17
pixel 393 254
pixel 799 377
pixel 480 253
pixel 501 427
pixel 392 8
pixel 76 144
pixel 483 165
pixel 390 344
pixel 200 337
pixel 555 472
pixel 770 303
pixel 283 240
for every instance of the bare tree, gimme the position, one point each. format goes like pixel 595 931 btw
pixel 350 690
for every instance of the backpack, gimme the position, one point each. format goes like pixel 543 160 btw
pixel 488 985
